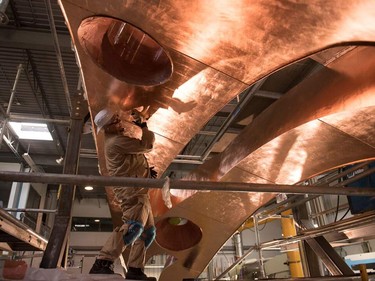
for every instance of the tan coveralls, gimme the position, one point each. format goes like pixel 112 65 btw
pixel 125 157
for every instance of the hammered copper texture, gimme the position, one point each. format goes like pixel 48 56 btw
pixel 219 48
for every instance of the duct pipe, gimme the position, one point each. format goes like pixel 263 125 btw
pixel 180 184
pixel 13 93
pixel 3 7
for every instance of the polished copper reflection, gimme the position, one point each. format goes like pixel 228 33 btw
pixel 218 49
pixel 125 51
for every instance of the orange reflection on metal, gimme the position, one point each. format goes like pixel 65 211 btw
pixel 125 51
pixel 206 40
pixel 292 145
pixel 250 39
pixel 357 21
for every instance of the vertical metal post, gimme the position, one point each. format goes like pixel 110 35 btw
pixel 257 244
pixel 210 271
pixel 238 245
pixel 13 93
pixel 58 53
pixel 363 271
pixel 57 244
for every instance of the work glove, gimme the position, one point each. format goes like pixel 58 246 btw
pixel 140 124
pixel 153 173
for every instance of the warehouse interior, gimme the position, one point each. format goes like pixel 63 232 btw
pixel 271 104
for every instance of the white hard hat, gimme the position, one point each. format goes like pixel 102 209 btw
pixel 102 118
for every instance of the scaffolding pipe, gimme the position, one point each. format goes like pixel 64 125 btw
pixel 29 210
pixel 241 259
pixel 286 205
pixel 238 244
pixel 12 95
pixel 180 184
pixel 357 221
pixel 58 54
pixel 31 119
pixel 262 270
pixel 343 173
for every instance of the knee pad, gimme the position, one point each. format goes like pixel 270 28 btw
pixel 135 230
pixel 148 236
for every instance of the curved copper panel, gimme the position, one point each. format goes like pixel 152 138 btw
pixel 219 48
pixel 287 154
pixel 125 51
pixel 344 86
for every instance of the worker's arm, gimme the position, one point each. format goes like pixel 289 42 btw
pixel 127 145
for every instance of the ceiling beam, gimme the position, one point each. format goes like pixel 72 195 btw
pixel 32 40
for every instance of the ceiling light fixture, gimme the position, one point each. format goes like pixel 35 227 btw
pixel 89 187
pixel 31 131
pixel 60 160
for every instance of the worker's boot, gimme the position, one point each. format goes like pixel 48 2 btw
pixel 102 267
pixel 137 274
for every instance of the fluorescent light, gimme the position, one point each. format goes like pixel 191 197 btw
pixel 97 220
pixel 31 131
pixel 89 187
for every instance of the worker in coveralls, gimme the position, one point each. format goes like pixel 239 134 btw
pixel 125 157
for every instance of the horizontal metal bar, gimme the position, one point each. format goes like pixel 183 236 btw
pixel 353 222
pixel 31 39
pixel 190 157
pixel 320 278
pixel 187 161
pixel 33 119
pixel 180 184
pixel 29 210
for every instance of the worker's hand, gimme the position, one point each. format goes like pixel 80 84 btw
pixel 140 124
pixel 153 173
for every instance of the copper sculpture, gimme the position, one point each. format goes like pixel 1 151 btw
pixel 209 52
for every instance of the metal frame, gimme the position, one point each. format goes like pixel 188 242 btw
pixel 16 232
pixel 317 243
pixel 56 248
